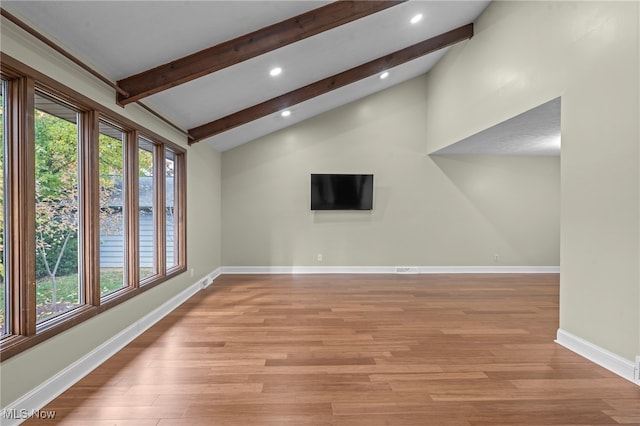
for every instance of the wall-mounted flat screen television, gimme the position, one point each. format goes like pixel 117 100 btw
pixel 341 192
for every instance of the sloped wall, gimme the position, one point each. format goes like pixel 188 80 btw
pixel 523 54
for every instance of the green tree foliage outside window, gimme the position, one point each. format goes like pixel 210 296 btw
pixel 56 155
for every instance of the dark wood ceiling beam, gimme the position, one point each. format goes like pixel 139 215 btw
pixel 330 83
pixel 245 47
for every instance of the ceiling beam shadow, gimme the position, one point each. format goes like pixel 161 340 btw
pixel 245 47
pixel 330 83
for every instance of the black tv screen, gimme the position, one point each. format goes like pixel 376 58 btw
pixel 341 192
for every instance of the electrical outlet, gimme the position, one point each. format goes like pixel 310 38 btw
pixel 319 257
pixel 496 257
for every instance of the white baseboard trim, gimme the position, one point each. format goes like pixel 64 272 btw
pixel 604 358
pixel 489 269
pixel 307 270
pixel 34 400
pixel 390 269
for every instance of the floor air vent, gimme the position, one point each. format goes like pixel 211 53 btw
pixel 407 270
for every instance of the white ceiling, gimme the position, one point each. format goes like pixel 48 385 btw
pixel 533 133
pixel 119 39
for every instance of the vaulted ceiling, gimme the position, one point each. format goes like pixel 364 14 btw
pixel 206 65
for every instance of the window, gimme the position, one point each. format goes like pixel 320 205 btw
pixel 57 197
pixel 170 210
pixel 146 208
pixel 112 208
pixel 86 211
pixel 4 320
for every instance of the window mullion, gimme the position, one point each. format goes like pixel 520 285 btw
pixel 131 209
pixel 89 206
pixel 21 210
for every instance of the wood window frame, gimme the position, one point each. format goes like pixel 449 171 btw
pixel 158 201
pixel 5 328
pixel 127 140
pixel 179 208
pixel 160 204
pixel 24 333
pixel 20 213
pixel 84 133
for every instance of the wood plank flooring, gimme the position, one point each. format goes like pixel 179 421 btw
pixel 354 350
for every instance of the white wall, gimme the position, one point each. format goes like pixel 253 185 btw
pixel 439 211
pixel 30 368
pixel 523 54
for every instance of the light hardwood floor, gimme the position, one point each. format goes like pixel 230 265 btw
pixel 354 350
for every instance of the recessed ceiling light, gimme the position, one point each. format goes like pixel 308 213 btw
pixel 275 71
pixel 417 18
pixel 285 113
pixel 384 75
